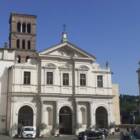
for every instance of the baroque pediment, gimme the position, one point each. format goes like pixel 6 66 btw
pixel 66 50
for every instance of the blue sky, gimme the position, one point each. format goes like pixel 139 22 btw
pixel 108 29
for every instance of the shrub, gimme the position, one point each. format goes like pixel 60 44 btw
pixel 43 126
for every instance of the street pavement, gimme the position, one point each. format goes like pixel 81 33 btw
pixel 2 137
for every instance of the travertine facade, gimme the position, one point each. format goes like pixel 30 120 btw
pixel 61 90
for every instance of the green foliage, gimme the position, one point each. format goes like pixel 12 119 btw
pixel 129 108
pixel 137 121
pixel 57 126
pixel 128 103
pixel 112 125
pixel 79 125
pixel 43 126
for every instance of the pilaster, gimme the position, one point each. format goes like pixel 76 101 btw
pixel 92 115
pixel 57 118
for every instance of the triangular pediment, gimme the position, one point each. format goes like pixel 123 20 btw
pixel 66 50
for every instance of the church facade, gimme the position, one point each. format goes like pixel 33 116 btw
pixel 62 90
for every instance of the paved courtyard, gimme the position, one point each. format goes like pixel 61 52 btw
pixel 2 137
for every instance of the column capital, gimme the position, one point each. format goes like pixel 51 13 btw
pixel 77 102
pixel 90 102
pixel 56 102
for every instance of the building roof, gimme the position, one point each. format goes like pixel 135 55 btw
pixel 69 45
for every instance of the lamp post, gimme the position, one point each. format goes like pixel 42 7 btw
pixel 73 93
pixel 138 71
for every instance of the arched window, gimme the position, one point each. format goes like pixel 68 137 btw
pixel 18 59
pixel 23 27
pixel 23 44
pixel 27 58
pixel 29 45
pixel 19 27
pixel 28 28
pixel 18 43
pixel 83 113
pixel 50 116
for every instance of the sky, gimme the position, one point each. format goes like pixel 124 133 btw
pixel 108 29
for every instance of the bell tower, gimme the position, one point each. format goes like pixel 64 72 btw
pixel 22 35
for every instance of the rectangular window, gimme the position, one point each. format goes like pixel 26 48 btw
pixel 49 78
pixel 100 81
pixel 65 79
pixel 27 77
pixel 82 79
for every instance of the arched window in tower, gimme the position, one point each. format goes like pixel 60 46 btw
pixel 28 28
pixel 18 59
pixel 18 44
pixel 23 27
pixel 23 44
pixel 19 27
pixel 27 58
pixel 29 44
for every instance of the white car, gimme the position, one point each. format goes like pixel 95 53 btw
pixel 28 132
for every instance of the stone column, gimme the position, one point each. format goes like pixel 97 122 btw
pixel 57 119
pixel 110 114
pixel 74 116
pixel 43 117
pixel 14 118
pixel 42 114
pixel 77 118
pixel 92 115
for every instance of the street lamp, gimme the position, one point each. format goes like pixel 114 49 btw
pixel 138 71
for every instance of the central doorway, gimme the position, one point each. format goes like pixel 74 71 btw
pixel 65 120
pixel 25 117
pixel 101 117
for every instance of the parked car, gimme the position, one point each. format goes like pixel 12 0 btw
pixel 135 133
pixel 103 130
pixel 91 135
pixel 134 137
pixel 28 132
